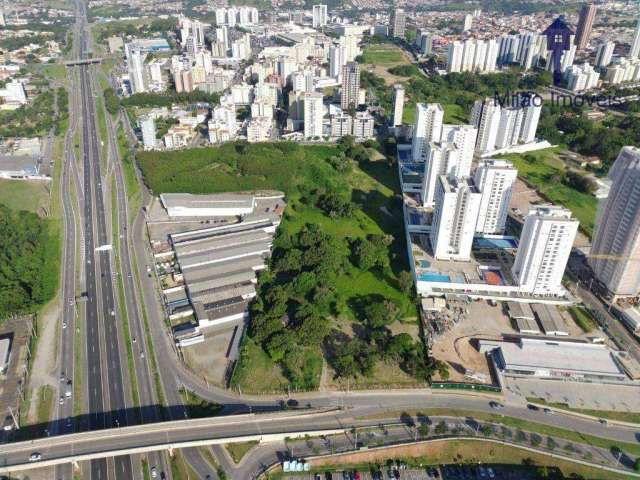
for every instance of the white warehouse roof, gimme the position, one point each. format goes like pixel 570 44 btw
pixel 222 205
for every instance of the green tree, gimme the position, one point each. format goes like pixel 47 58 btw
pixel 441 428
pixel 405 281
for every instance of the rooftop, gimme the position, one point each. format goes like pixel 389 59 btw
pixel 225 200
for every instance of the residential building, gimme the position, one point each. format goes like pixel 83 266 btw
pixel 485 115
pixel 337 60
pixel 457 203
pixel 397 23
pixel 313 114
pixel 424 42
pixel 350 85
pixel 148 128
pixel 615 253
pixel 604 54
pixel 259 129
pixel 427 128
pixel 363 126
pixel 545 245
pixel 472 56
pixel 398 104
pixel 467 22
pixel 135 65
pixel 635 44
pixel 494 179
pixel 320 17
pixel 582 77
pixel 341 125
pixel 623 70
pixel 585 24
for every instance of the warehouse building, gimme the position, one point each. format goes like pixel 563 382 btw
pixel 550 319
pixel 181 205
pixel 555 359
pixel 523 318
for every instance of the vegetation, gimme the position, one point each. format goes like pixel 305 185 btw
pixel 404 70
pixel 198 407
pixel 111 101
pixel 29 257
pixel 36 118
pixel 167 99
pixel 135 28
pixel 546 172
pixel 239 450
pixel 384 54
pixel 630 417
pixel 583 318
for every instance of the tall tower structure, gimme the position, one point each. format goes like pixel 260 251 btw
pixel 615 254
pixel 585 24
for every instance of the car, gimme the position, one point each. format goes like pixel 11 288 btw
pixel 548 411
pixel 62 377
pixel 64 324
pixel 154 472
pixel 495 405
pixel 328 476
pixel 491 473
pixel 356 475
pixel 68 421
pixel 317 476
pixel 533 407
pixel 61 400
pixel 134 340
pixel 34 457
pixel 603 421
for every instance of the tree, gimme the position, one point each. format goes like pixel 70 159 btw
pixel 423 430
pixel 405 281
pixel 381 313
pixel 370 252
pixel 636 465
pixel 441 428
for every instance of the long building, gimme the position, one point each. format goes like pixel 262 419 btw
pixel 615 254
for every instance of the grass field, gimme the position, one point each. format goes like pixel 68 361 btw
pixel 542 173
pixel 385 55
pixel 25 195
pixel 239 450
pixel 46 396
pixel 583 318
pixel 631 417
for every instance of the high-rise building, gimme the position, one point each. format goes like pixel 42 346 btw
pixel 468 22
pixel 585 24
pixel 463 138
pixel 457 203
pixel 148 128
pixel 397 23
pixel 509 127
pixel 398 104
pixel 635 44
pixel 544 249
pixel 313 114
pixel 135 65
pixel 472 56
pixel 530 123
pixel 454 57
pixel 337 60
pixel 424 41
pixel 428 128
pixel 582 77
pixel 350 94
pixel 485 115
pixel 363 124
pixel 494 179
pixel 615 253
pixel 604 54
pixel 320 17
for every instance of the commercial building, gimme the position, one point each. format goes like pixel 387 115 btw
pixel 556 360
pixel 221 205
pixel 585 24
pixel 397 23
pixel 398 104
pixel 427 128
pixel 545 245
pixel 494 179
pixel 320 17
pixel 615 254
pixel 457 203
pixel 350 94
pixel 550 319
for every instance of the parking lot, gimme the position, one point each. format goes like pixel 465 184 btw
pixel 447 472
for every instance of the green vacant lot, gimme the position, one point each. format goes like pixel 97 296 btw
pixel 370 187
pixel 544 170
pixel 24 195
pixel 383 54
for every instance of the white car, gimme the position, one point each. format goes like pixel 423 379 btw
pixel 34 457
pixel 64 324
pixel 154 472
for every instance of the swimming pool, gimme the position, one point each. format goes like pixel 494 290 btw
pixel 497 243
pixel 434 277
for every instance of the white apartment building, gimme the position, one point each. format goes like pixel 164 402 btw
pixel 341 125
pixel 261 109
pixel 457 202
pixel 337 60
pixel 635 43
pixel 351 47
pixel 320 16
pixel 472 56
pixel 615 253
pixel 582 77
pixel 524 49
pixel 509 127
pixel 428 127
pixel 363 126
pixel 530 120
pixel 463 137
pixel 424 42
pixel 397 22
pixel 398 104
pixel 623 70
pixel 467 23
pixel 302 81
pixel 259 129
pixel 604 54
pixel 242 94
pixel 545 246
pixel 494 179
pixel 148 128
pixel 485 115
pixel 313 114
pixel 242 16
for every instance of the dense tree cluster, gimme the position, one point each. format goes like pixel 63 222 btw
pixel 36 118
pixel 166 99
pixel 28 262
